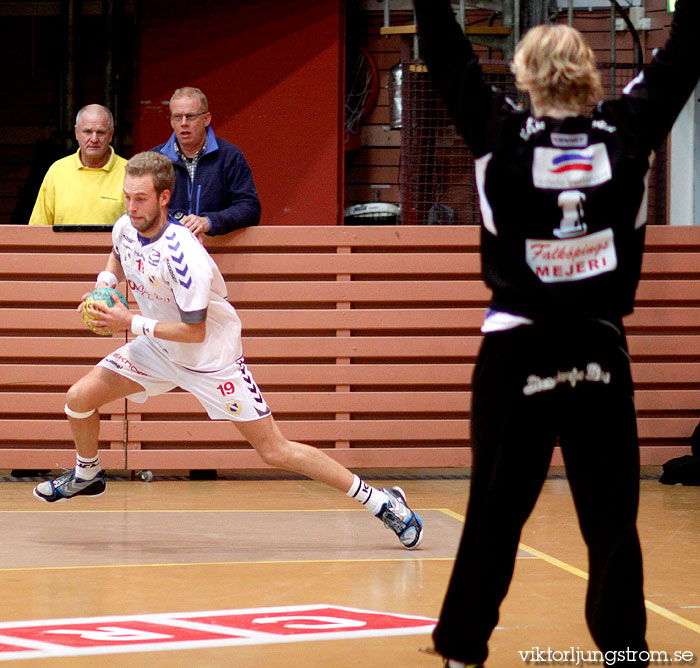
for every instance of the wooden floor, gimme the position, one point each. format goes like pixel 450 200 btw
pixel 177 546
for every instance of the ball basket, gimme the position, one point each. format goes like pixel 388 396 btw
pixel 106 295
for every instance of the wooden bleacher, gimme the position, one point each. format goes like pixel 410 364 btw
pixel 363 340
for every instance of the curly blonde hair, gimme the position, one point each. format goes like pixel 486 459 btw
pixel 557 68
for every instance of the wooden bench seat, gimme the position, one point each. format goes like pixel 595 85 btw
pixel 363 340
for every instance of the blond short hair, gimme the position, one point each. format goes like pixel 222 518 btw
pixel 555 65
pixel 157 165
pixel 191 91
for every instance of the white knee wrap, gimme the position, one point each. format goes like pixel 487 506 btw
pixel 75 414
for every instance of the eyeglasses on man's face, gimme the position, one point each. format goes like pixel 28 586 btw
pixel 178 118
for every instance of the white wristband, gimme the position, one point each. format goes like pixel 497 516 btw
pixel 143 326
pixel 107 277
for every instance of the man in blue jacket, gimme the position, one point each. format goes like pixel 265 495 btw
pixel 214 189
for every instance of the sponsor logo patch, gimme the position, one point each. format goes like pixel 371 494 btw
pixel 144 292
pixel 557 261
pixel 566 169
pixel 561 140
pixel 121 362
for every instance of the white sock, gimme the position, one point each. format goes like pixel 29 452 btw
pixel 451 663
pixel 370 497
pixel 87 467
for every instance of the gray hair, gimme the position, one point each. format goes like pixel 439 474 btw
pixel 95 107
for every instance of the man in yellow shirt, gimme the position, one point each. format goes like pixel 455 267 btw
pixel 84 188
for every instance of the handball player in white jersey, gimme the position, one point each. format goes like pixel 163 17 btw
pixel 187 336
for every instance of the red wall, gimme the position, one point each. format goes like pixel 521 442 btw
pixel 271 72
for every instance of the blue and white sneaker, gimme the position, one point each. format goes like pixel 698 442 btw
pixel 398 517
pixel 68 485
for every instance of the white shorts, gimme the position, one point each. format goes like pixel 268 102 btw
pixel 229 394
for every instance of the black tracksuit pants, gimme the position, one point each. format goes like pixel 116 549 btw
pixel 533 385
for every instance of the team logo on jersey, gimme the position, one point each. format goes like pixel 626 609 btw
pixel 234 407
pixel 565 260
pixel 566 169
pixel 152 279
pixel 569 161
pixel 153 258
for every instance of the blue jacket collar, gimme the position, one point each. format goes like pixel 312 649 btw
pixel 169 147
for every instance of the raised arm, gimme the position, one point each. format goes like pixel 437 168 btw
pixel 455 71
pixel 651 102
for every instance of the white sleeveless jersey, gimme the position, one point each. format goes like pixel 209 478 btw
pixel 173 278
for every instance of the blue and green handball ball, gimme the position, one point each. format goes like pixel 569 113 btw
pixel 106 295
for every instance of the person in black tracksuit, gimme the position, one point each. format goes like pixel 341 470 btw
pixel 562 192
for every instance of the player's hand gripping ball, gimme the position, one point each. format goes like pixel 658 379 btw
pixel 106 295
